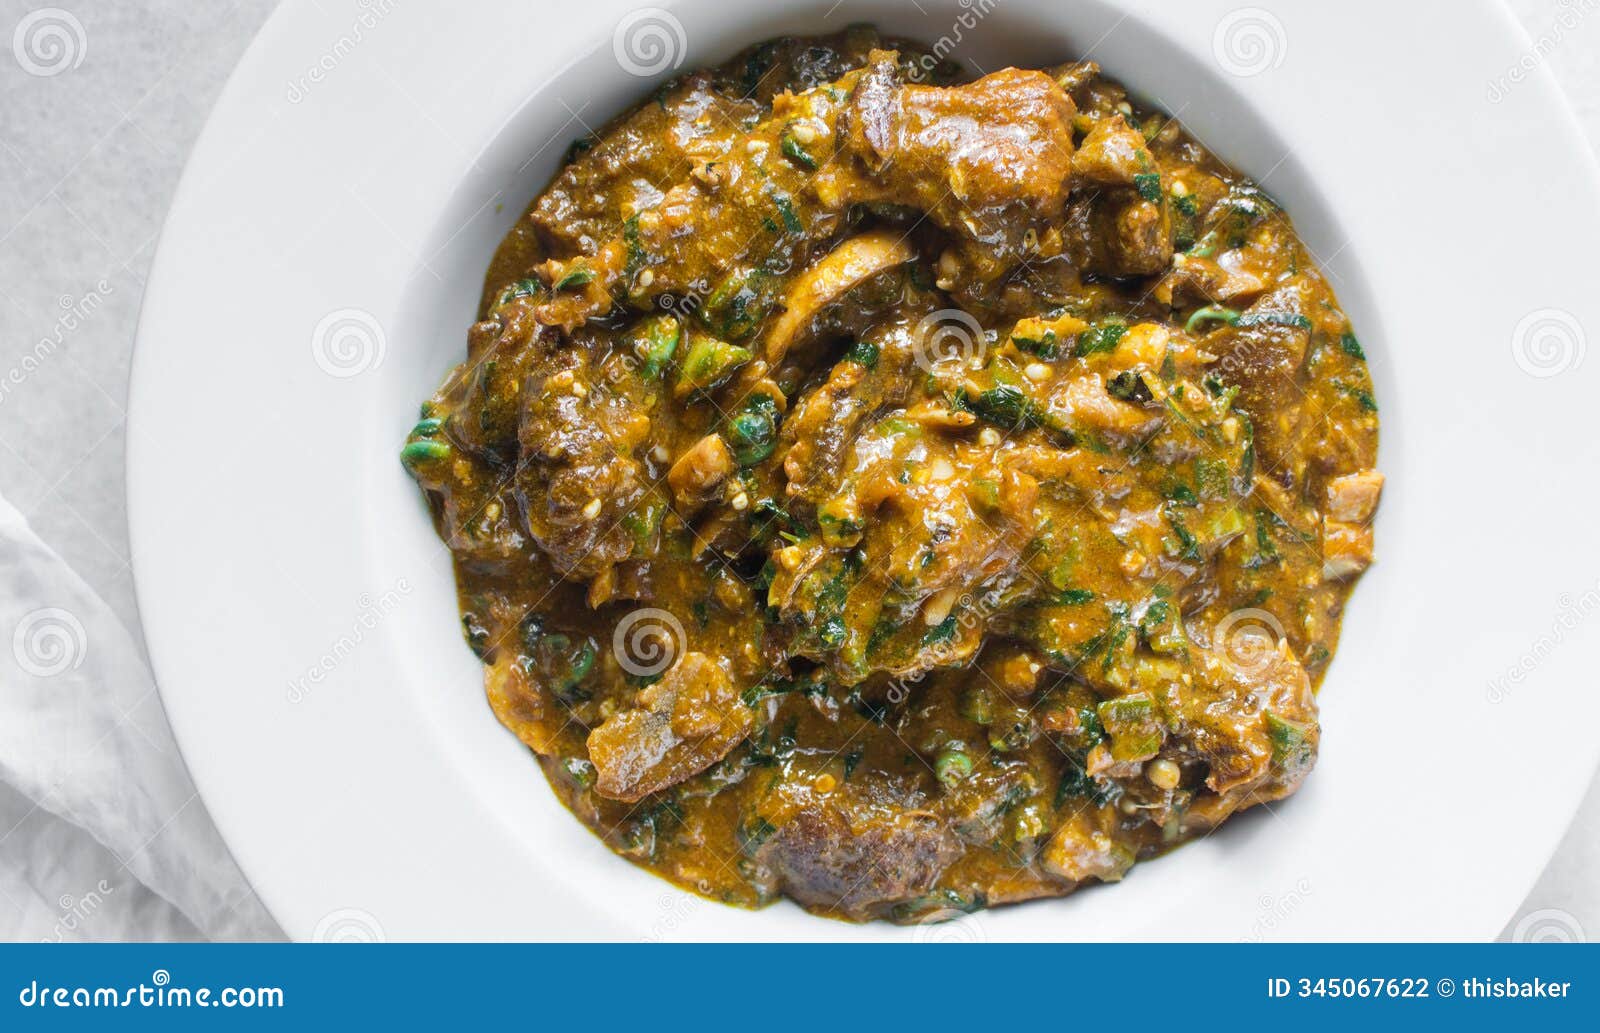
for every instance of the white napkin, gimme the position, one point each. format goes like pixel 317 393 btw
pixel 102 836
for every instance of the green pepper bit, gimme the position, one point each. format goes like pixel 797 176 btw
pixel 753 432
pixel 1211 314
pixel 709 362
pixel 655 341
pixel 417 454
pixel 952 767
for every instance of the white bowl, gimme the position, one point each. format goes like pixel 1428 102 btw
pixel 323 260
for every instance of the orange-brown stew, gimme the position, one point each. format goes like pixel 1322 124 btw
pixel 903 492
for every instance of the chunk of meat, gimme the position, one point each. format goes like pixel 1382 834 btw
pixel 1346 549
pixel 1119 224
pixel 1249 689
pixel 1085 847
pixel 987 161
pixel 1085 404
pixel 1116 232
pixel 1112 154
pixel 521 705
pixel 1264 355
pixel 580 473
pixel 698 471
pixel 856 859
pixel 682 725
pixel 1354 497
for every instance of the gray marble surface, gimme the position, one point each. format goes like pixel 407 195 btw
pixel 89 162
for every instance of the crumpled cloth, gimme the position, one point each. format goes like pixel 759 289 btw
pixel 102 835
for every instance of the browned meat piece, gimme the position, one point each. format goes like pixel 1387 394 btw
pixel 579 474
pixel 1086 847
pixel 988 161
pixel 682 725
pixel 641 157
pixel 1354 497
pixel 857 860
pixel 698 471
pixel 521 705
pixel 1112 154
pixel 1118 225
pixel 1346 549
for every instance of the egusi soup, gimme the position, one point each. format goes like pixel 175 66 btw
pixel 902 491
